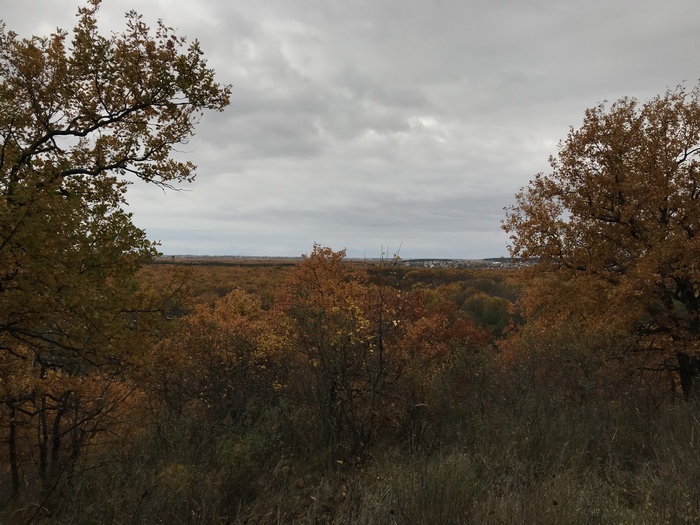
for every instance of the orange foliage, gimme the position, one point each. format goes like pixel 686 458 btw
pixel 358 352
pixel 371 351
pixel 614 229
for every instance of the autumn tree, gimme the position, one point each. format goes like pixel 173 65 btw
pixel 613 229
pixel 367 353
pixel 81 117
pixel 223 361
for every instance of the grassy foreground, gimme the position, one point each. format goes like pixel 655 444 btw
pixel 500 453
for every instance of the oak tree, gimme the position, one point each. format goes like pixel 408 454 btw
pixel 82 115
pixel 613 228
pixel 367 352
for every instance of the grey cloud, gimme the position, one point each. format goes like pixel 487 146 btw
pixel 361 123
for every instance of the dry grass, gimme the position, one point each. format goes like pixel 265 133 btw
pixel 543 462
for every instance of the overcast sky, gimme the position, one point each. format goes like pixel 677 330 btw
pixel 370 124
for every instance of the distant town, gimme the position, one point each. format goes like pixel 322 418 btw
pixel 500 262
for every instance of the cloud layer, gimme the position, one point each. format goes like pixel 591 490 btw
pixel 371 124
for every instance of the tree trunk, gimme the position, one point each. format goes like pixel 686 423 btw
pixel 12 438
pixel 688 370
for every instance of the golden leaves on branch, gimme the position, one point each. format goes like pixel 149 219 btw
pixel 612 229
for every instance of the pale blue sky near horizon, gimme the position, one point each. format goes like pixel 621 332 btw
pixel 380 125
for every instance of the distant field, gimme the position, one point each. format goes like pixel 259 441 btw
pixel 227 260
